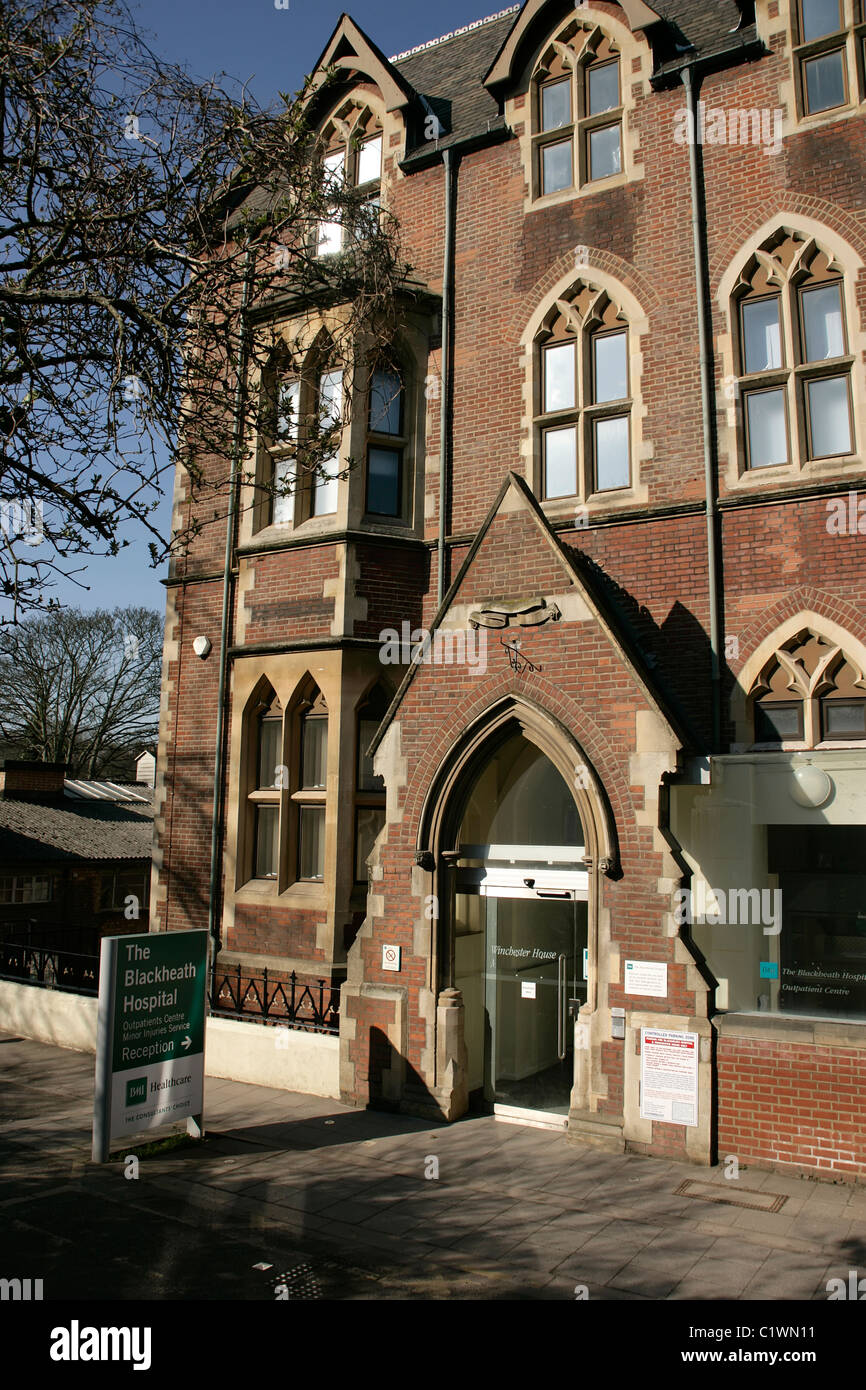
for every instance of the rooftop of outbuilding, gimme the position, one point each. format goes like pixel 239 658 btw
pixel 99 828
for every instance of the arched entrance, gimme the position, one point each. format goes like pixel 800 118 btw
pixel 518 834
pixel 521 955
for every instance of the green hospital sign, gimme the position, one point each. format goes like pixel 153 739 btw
pixel 150 1049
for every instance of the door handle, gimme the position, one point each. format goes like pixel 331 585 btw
pixel 560 1007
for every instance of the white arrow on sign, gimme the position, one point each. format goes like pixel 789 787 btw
pixel 187 1042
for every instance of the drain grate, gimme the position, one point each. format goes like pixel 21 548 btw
pixel 298 1282
pixel 748 1197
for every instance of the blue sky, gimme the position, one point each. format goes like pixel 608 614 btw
pixel 271 49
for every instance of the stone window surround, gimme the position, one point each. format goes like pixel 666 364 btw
pixel 807 690
pixel 411 349
pixel 358 117
pixel 853 32
pixel 749 674
pixel 289 796
pixel 345 684
pixel 559 509
pixel 584 331
pixel 521 110
pixel 780 35
pixel 736 476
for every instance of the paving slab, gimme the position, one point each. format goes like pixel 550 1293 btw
pixel 340 1203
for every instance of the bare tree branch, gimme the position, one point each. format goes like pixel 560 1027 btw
pixel 130 195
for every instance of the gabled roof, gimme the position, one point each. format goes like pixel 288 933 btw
pixel 638 16
pixel 449 75
pixel 596 602
pixel 349 48
pixel 460 77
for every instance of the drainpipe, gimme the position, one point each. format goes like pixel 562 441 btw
pixel 708 422
pixel 445 405
pixel 213 920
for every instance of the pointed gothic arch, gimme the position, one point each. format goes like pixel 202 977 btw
pixel 840 644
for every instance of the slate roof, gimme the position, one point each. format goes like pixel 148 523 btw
pixel 98 830
pixel 451 77
pixel 450 73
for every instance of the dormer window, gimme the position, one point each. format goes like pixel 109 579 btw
pixel 352 161
pixel 578 112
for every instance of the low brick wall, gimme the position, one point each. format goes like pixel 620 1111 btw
pixel 792 1095
pixel 288 1059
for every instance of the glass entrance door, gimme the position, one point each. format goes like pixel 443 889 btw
pixel 521 964
pixel 534 959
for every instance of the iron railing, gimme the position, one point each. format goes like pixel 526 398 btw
pixel 257 998
pixel 37 965
pixel 239 995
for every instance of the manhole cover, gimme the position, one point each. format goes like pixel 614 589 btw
pixel 746 1196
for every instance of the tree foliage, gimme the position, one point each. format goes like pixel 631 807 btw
pixel 82 688
pixel 135 203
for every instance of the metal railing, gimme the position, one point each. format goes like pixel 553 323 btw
pixel 38 965
pixel 239 995
pixel 257 998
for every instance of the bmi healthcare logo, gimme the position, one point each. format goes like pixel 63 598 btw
pixel 136 1090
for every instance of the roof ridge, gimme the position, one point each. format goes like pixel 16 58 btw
pixel 455 34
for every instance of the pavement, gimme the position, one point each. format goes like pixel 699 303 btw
pixel 296 1197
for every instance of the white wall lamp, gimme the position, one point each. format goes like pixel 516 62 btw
pixel 812 786
pixel 201 646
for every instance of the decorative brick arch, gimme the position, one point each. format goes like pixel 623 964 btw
pixel 565 269
pixel 843 233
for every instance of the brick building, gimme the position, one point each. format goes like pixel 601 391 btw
pixel 75 858
pixel 591 851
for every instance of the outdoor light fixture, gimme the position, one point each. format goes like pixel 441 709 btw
pixel 812 786
pixel 201 646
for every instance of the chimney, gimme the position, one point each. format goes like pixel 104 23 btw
pixel 21 780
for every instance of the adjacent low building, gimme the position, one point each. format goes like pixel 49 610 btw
pixel 75 858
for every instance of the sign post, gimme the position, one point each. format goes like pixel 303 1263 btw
pixel 150 1034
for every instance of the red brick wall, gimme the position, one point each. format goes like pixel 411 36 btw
pixel 792 1105
pixel 274 930
pixel 188 762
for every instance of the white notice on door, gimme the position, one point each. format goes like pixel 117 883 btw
pixel 527 989
pixel 669 1076
pixel 646 977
